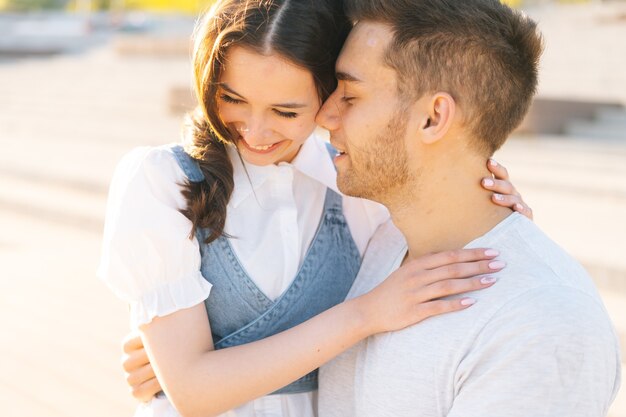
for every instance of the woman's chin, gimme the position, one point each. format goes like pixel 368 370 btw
pixel 282 152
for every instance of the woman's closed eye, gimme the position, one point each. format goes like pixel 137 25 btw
pixel 229 99
pixel 286 115
pixel 232 100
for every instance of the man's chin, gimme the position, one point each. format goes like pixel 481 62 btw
pixel 351 188
pixel 344 185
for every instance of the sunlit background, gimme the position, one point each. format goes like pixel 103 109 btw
pixel 82 82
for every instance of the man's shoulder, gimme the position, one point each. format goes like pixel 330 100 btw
pixel 534 260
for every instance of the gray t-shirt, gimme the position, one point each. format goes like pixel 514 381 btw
pixel 538 343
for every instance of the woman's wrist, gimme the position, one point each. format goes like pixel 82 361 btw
pixel 362 319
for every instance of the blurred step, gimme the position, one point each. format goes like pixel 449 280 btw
pixel 595 130
pixel 150 45
pixel 55 202
pixel 611 115
pixel 564 165
pixel 551 115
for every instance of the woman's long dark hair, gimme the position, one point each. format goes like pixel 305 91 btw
pixel 309 33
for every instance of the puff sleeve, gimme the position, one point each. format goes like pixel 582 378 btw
pixel 148 259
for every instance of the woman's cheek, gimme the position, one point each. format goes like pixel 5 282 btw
pixel 229 113
pixel 304 127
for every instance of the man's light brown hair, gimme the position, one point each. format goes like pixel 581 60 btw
pixel 481 52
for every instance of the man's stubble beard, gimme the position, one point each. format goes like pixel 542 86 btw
pixel 379 171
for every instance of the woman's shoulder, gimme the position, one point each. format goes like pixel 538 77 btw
pixel 147 174
pixel 149 157
pixel 149 163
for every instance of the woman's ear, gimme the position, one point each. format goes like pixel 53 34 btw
pixel 438 117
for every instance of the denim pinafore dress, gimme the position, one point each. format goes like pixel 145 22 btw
pixel 239 312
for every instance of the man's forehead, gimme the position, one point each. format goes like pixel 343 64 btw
pixel 364 49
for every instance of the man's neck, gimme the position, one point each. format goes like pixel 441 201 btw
pixel 447 213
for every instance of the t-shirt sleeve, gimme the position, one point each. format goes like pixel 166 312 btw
pixel 559 358
pixel 148 259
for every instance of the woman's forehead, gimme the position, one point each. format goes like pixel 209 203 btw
pixel 269 78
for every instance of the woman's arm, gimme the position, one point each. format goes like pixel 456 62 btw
pixel 200 381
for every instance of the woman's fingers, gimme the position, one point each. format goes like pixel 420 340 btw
pixel 145 391
pixel 459 271
pixel 499 171
pixel 514 203
pixel 449 287
pixel 436 260
pixel 524 209
pixel 438 307
pixel 393 303
pixel 499 186
pixel 505 194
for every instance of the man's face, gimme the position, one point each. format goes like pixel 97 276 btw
pixel 366 118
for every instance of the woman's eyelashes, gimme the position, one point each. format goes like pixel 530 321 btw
pixel 232 100
pixel 229 99
pixel 286 115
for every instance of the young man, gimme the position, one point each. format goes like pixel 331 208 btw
pixel 426 85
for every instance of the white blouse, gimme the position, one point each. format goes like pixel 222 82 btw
pixel 149 261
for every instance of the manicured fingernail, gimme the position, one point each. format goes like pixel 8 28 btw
pixel 468 301
pixel 488 183
pixel 498 197
pixel 519 207
pixel 488 280
pixel 493 163
pixel 491 252
pixel 497 265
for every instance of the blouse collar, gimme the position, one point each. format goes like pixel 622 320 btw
pixel 313 160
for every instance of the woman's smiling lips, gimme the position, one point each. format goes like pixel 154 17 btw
pixel 260 149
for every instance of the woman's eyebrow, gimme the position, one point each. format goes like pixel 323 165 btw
pixel 290 105
pixel 281 105
pixel 230 90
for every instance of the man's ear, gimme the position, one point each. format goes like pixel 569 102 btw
pixel 440 110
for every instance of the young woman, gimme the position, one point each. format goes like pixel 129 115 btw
pixel 235 251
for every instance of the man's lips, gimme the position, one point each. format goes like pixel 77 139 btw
pixel 338 148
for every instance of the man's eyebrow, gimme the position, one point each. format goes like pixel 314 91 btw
pixel 344 76
pixel 282 105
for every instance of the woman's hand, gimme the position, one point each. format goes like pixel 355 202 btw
pixel 139 373
pixel 505 193
pixel 414 292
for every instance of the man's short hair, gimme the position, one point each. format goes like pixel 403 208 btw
pixel 481 52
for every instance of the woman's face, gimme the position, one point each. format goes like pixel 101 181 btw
pixel 268 104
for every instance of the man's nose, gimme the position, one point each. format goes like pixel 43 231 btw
pixel 328 117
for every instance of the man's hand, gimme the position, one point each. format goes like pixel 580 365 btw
pixel 139 373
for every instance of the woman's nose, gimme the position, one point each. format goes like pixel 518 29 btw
pixel 255 132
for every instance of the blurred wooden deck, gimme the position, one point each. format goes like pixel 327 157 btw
pixel 64 123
